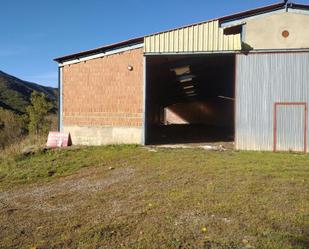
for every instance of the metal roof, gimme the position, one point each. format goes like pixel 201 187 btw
pixel 252 12
pixel 100 49
pixel 247 13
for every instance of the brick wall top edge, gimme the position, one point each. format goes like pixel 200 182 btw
pixel 105 56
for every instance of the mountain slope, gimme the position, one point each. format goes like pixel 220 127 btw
pixel 15 93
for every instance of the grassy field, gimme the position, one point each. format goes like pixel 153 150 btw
pixel 133 197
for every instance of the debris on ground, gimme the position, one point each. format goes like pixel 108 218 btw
pixel 51 172
pixel 213 147
pixel 152 150
pixel 174 146
pixel 226 220
pixel 29 150
pixel 210 147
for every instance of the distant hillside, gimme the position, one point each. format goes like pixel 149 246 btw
pixel 15 93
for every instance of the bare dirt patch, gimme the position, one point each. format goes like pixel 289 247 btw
pixel 43 197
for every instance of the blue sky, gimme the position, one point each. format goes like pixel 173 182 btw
pixel 33 32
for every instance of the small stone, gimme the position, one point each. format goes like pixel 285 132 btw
pixel 245 241
pixel 45 149
pixel 221 148
pixel 226 220
pixel 111 168
pixel 27 151
pixel 51 172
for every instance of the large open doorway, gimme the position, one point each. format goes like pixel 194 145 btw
pixel 190 99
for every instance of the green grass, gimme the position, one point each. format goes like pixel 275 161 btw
pixel 20 169
pixel 162 199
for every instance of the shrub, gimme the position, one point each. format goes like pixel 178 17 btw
pixel 38 112
pixel 12 127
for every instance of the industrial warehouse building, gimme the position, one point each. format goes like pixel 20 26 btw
pixel 242 78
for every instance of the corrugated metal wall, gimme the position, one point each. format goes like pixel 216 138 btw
pixel 262 80
pixel 202 37
pixel 290 126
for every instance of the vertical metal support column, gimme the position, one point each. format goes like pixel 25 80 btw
pixel 143 142
pixel 60 128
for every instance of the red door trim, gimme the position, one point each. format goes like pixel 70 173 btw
pixel 275 121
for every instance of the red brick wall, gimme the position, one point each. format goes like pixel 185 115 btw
pixel 103 92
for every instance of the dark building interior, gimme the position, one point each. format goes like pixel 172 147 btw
pixel 190 99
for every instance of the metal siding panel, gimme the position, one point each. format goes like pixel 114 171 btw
pixel 220 40
pixel 186 39
pixel 204 37
pixel 148 44
pixel 262 80
pixel 210 36
pixel 166 42
pixel 176 41
pixel 231 42
pixel 226 43
pixel 153 48
pixel 157 44
pixel 181 41
pixel 236 44
pixel 195 38
pixel 200 35
pixel 205 44
pixel 146 47
pixel 190 38
pixel 171 40
pixel 215 35
pixel 152 38
pixel 290 127
pixel 162 43
pixel 239 42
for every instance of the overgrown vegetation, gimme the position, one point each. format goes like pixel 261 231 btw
pixel 36 122
pixel 38 111
pixel 25 108
pixel 133 197
pixel 12 127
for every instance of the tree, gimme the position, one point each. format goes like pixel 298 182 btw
pixel 38 113
pixel 12 127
